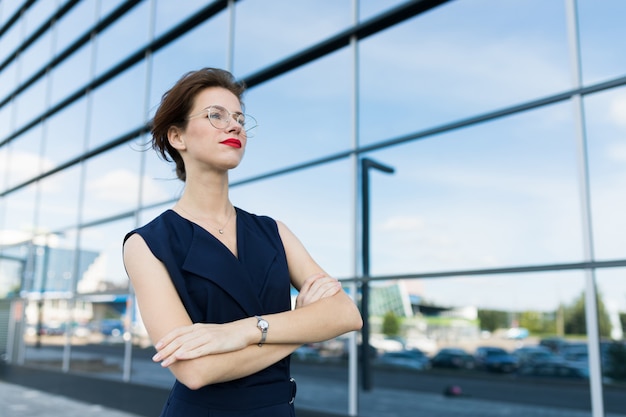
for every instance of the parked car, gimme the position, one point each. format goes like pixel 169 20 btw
pixel 532 355
pixel 555 370
pixel 453 358
pixel 495 359
pixel 410 358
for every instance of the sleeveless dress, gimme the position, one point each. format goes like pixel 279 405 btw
pixel 216 286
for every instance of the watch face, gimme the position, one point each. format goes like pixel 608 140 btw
pixel 263 324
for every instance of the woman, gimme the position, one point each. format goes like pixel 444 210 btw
pixel 213 281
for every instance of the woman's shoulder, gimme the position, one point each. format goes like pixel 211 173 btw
pixel 261 220
pixel 166 224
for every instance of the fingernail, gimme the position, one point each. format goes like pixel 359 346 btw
pixel 156 357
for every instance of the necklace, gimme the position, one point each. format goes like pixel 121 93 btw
pixel 219 229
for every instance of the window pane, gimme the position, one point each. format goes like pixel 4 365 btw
pixel 421 74
pixel 118 106
pixel 321 125
pixel 31 103
pixel 100 258
pixel 159 180
pixel 601 32
pixel 8 81
pixel 72 74
pixel 124 37
pixel 25 157
pixel 111 184
pixel 170 14
pixel 58 207
pixel 606 129
pixel 74 24
pixel 36 57
pixel 320 209
pixel 500 193
pixel 63 144
pixel 257 46
pixel 198 51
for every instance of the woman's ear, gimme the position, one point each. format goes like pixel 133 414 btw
pixel 175 138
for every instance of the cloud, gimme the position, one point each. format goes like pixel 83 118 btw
pixel 122 185
pixel 23 165
pixel 617 110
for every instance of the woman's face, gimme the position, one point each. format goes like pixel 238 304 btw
pixel 217 143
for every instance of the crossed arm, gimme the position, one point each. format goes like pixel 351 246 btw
pixel 202 354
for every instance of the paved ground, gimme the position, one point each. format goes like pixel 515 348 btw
pixel 18 401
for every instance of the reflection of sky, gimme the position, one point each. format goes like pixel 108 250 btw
pixel 502 193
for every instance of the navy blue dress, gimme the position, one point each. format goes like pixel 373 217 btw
pixel 216 286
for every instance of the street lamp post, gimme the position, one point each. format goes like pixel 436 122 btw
pixel 366 164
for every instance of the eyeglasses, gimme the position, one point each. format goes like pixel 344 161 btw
pixel 220 118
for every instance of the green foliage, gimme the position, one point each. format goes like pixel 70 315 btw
pixel 575 317
pixel 537 322
pixel 493 319
pixel 391 324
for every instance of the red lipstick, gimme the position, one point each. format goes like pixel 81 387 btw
pixel 235 143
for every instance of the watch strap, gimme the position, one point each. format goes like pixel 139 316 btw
pixel 262 325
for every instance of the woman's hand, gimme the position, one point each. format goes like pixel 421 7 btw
pixel 201 339
pixel 315 288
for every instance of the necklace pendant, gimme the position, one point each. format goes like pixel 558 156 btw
pixel 221 231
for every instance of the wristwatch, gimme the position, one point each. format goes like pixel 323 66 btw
pixel 263 325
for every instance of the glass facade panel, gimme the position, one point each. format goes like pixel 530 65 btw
pixel 74 24
pixel 32 59
pixel 169 14
pixel 123 38
pixel 601 31
pixel 100 263
pixel 606 129
pixel 11 40
pixel 59 199
pixel 321 209
pixel 111 184
pixel 37 14
pixel 467 209
pixel 257 45
pixel 321 126
pixel 204 46
pixel 118 106
pixel 420 74
pixel 8 80
pixel 72 74
pixel 159 179
pixel 62 143
pixel 18 221
pixel 31 103
pixel 25 157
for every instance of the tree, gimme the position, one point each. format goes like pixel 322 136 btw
pixel 574 317
pixel 391 324
pixel 493 319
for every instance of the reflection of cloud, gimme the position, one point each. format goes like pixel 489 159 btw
pixel 23 165
pixel 403 223
pixel 617 151
pixel 617 111
pixel 122 185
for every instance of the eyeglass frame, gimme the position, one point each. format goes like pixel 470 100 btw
pixel 231 116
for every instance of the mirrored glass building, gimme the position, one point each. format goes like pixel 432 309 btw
pixel 497 222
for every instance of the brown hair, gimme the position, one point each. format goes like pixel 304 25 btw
pixel 176 104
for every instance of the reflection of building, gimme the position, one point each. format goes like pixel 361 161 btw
pixel 390 296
